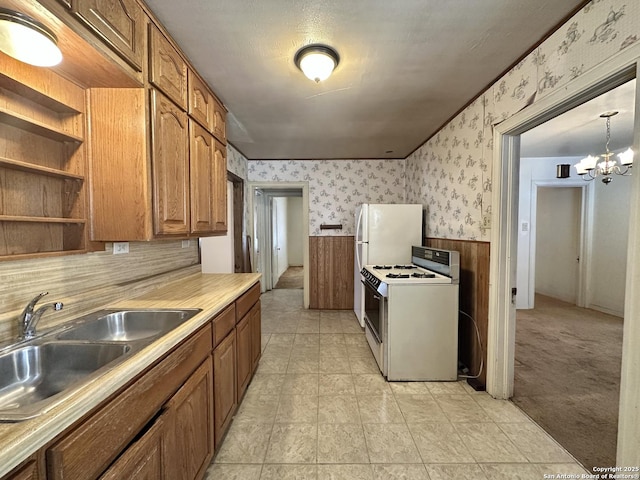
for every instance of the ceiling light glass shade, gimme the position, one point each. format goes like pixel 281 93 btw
pixel 27 40
pixel 317 62
pixel 626 157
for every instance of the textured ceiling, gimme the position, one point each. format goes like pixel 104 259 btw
pixel 581 131
pixel 406 66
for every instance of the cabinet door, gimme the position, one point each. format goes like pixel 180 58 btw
pixel 200 101
pixel 143 459
pixel 256 335
pixel 201 156
pixel 170 166
pixel 220 188
pixel 168 71
pixel 27 472
pixel 224 384
pixel 120 24
pixel 188 446
pixel 219 121
pixel 243 357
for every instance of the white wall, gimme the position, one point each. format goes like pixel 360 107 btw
pixel 217 253
pixel 609 258
pixel 294 231
pixel 606 268
pixel 558 223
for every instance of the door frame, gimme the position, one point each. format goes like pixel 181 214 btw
pixel 505 164
pixel 275 186
pixel 587 202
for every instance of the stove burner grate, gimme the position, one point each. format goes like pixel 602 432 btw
pixel 423 275
pixel 397 275
pixel 382 267
pixel 405 267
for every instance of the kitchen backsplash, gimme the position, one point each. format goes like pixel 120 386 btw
pixel 336 187
pixel 451 173
pixel 88 281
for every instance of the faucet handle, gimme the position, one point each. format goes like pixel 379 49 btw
pixel 57 306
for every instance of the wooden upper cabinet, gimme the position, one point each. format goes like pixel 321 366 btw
pixel 219 188
pixel 202 178
pixel 219 128
pixel 170 166
pixel 120 23
pixel 168 71
pixel 200 101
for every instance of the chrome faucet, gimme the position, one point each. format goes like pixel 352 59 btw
pixel 29 319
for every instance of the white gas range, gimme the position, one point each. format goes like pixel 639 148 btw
pixel 411 315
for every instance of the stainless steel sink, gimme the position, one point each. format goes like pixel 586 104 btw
pixel 37 374
pixel 128 325
pixel 32 375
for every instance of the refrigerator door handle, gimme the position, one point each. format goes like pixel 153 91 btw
pixel 358 224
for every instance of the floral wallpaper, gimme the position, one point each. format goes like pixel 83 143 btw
pixel 451 173
pixel 336 187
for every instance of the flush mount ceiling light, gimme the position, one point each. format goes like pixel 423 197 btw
pixel 317 61
pixel 28 40
pixel 589 168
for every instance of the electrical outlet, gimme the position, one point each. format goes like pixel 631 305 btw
pixel 186 243
pixel 120 247
pixel 486 221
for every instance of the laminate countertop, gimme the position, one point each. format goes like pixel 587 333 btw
pixel 209 292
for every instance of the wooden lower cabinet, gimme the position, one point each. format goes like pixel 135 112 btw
pixel 29 471
pixel 188 445
pixel 224 385
pixel 256 335
pixel 243 356
pixel 142 460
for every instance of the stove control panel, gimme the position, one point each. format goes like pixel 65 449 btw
pixel 370 278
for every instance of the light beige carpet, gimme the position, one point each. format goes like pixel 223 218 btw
pixel 567 376
pixel 291 278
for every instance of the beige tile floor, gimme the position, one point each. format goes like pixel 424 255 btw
pixel 318 408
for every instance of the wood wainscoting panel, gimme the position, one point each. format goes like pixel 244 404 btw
pixel 474 299
pixel 331 272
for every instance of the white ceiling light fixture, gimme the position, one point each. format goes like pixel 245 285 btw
pixel 589 168
pixel 28 40
pixel 317 61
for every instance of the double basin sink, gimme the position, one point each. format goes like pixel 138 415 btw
pixel 36 375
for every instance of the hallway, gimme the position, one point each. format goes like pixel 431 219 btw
pixel 318 408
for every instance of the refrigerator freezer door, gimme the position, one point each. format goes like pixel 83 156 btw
pixel 391 231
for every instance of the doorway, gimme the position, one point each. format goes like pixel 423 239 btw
pixel 280 232
pixel 506 163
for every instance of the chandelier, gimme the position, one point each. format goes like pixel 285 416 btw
pixel 589 168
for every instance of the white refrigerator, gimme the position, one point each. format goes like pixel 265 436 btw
pixel 385 234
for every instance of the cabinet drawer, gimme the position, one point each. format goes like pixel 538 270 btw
pixel 246 301
pixel 223 324
pixel 88 450
pixel 168 70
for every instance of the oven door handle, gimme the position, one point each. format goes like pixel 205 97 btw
pixel 371 329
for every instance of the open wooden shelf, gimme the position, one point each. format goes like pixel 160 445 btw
pixel 36 96
pixel 23 218
pixel 39 128
pixel 30 167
